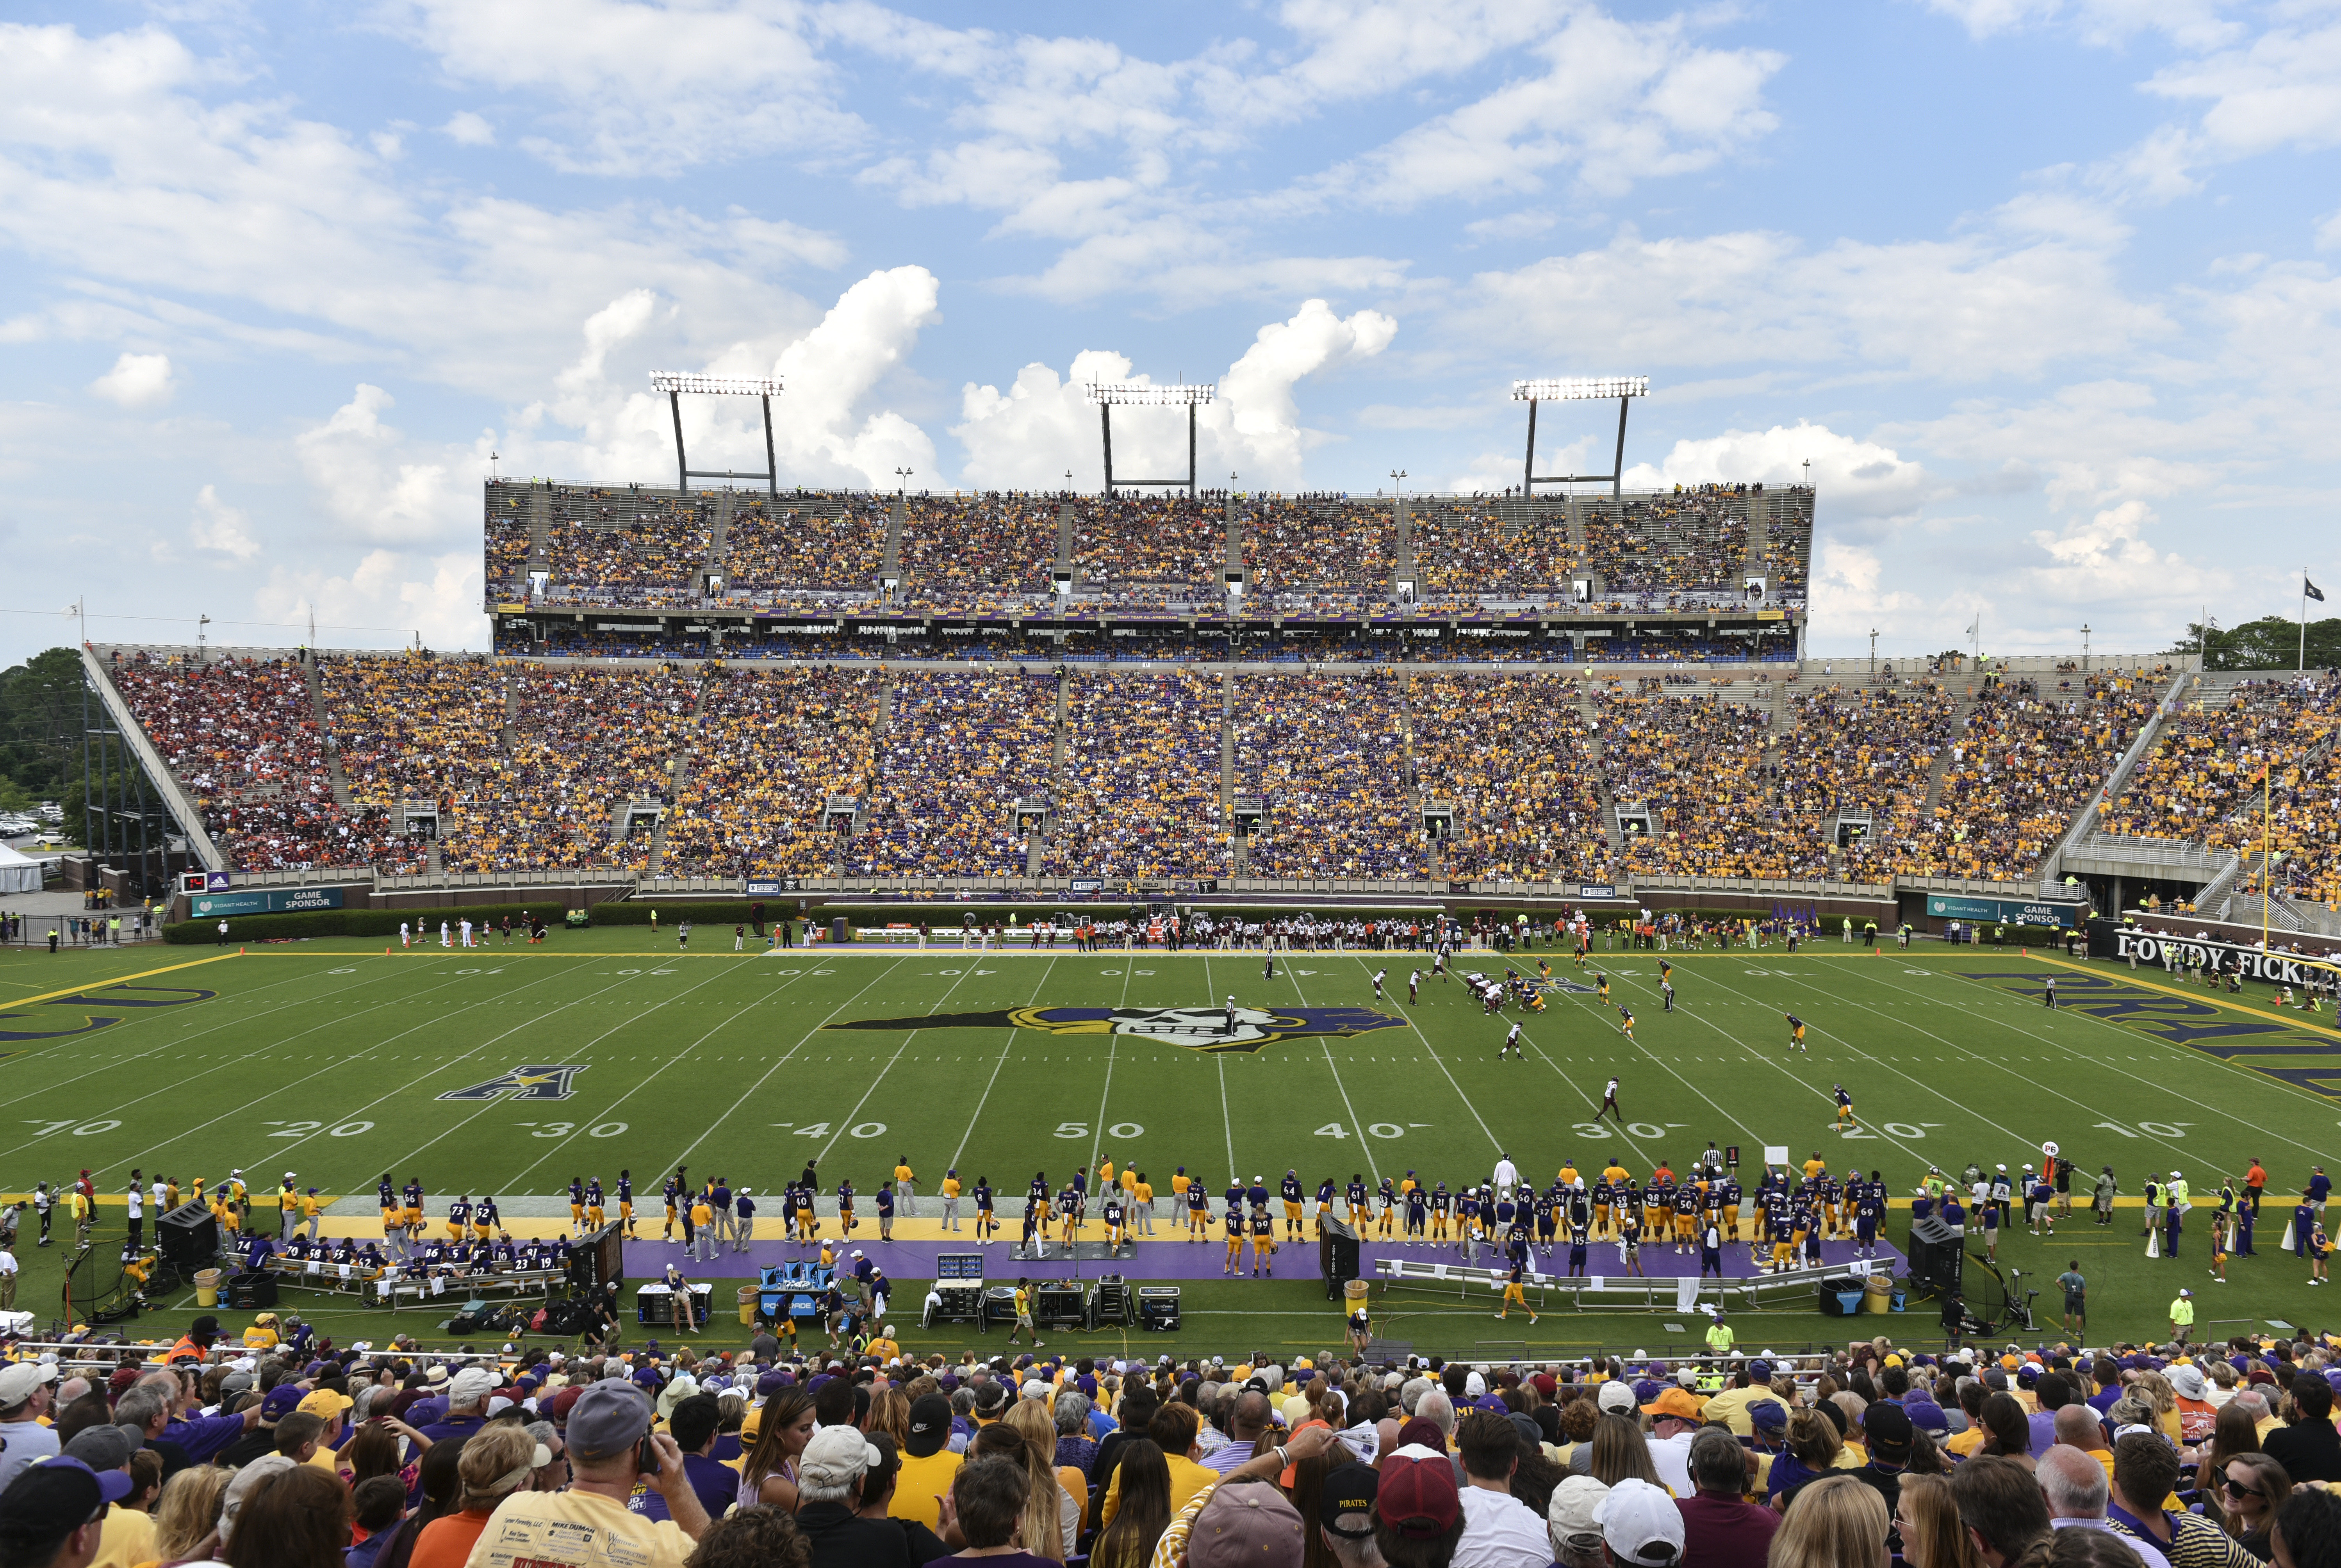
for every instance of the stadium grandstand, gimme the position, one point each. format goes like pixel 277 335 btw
pixel 1569 696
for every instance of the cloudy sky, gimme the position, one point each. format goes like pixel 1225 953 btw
pixel 2045 291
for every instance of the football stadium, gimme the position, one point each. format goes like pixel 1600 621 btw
pixel 1155 903
pixel 873 1008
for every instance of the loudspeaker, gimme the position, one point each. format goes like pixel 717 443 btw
pixel 247 1291
pixel 188 1236
pixel 599 1259
pixel 1338 1254
pixel 1938 1257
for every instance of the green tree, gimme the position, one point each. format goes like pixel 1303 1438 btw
pixel 40 728
pixel 2271 643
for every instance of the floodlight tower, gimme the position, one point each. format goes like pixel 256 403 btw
pixel 1580 389
pixel 765 389
pixel 1137 394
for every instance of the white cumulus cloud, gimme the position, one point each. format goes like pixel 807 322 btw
pixel 219 528
pixel 136 381
pixel 363 470
pixel 1029 435
pixel 1850 474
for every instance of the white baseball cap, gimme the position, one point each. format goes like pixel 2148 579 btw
pixel 1641 1524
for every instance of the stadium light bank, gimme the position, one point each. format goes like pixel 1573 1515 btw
pixel 1140 394
pixel 1580 389
pixel 765 389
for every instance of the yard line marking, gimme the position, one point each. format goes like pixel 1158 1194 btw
pixel 1899 1073
pixel 1227 1120
pixel 1492 1140
pixel 2179 1052
pixel 1344 1088
pixel 886 1071
pixel 488 1106
pixel 1728 1119
pixel 153 1151
pixel 1112 1045
pixel 889 1067
pixel 563 1142
pixel 48 1086
pixel 685 1156
pixel 1009 1044
pixel 1759 1055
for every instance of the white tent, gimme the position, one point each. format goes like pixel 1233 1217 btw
pixel 18 873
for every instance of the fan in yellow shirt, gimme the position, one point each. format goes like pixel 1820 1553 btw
pixel 1173 1429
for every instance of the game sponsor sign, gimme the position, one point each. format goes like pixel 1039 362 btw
pixel 264 901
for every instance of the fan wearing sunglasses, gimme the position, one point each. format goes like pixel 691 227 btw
pixel 2254 1492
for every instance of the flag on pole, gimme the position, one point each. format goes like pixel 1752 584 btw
pixel 2311 590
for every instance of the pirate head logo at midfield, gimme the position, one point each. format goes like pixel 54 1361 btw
pixel 1197 1029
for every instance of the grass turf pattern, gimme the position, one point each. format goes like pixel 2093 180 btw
pixel 330 1058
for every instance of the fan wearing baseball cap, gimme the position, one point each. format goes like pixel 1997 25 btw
pixel 1345 1514
pixel 590 1523
pixel 1418 1509
pixel 27 1388
pixel 54 1513
pixel 927 1462
pixel 1641 1524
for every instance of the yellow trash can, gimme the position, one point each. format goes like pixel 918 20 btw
pixel 207 1286
pixel 1354 1293
pixel 749 1297
pixel 1877 1295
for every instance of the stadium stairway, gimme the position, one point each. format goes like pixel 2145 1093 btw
pixel 335 776
pixel 134 735
pixel 1242 842
pixel 2085 820
pixel 1759 538
pixel 1607 822
pixel 1036 847
pixel 1941 767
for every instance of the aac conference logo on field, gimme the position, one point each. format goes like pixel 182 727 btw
pixel 1196 1029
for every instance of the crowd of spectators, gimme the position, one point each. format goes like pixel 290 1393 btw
pixel 414 728
pixel 526 764
pixel 2023 764
pixel 242 738
pixel 962 552
pixel 1297 546
pixel 1481 546
pixel 1150 539
pixel 509 542
pixel 2257 770
pixel 1512 760
pixel 1326 757
pixel 1860 750
pixel 291 1452
pixel 827 544
pixel 1138 791
pixel 958 752
pixel 769 750
pixel 1699 765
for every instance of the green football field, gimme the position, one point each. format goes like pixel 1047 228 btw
pixel 331 1059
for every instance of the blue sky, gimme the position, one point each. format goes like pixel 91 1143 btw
pixel 2044 290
